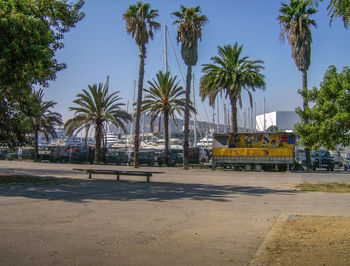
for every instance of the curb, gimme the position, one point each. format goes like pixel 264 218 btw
pixel 272 234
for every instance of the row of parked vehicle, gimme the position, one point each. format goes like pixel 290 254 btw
pixel 111 156
pixel 323 159
pixel 156 158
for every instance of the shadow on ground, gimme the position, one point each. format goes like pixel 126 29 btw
pixel 73 190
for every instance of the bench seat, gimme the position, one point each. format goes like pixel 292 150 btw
pixel 148 174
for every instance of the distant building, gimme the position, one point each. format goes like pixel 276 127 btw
pixel 281 119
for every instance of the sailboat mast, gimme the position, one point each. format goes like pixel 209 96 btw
pixel 166 68
pixel 133 112
pixel 264 116
pixel 218 114
pixel 225 118
pixel 165 50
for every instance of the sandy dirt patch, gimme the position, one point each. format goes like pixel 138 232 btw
pixel 307 240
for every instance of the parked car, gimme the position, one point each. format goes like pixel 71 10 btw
pixel 300 159
pixel 12 155
pixel 338 162
pixel 195 155
pixel 347 162
pixel 145 157
pixel 26 154
pixel 175 157
pixel 116 157
pixel 3 153
pixel 322 159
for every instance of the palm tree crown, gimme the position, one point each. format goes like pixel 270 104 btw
pixel 340 8
pixel 229 74
pixel 96 108
pixel 295 23
pixel 163 96
pixel 140 22
pixel 189 31
pixel 42 119
pixel 163 99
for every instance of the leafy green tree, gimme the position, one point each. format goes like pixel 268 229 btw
pixel 95 109
pixel 274 129
pixel 328 120
pixel 229 74
pixel 12 128
pixel 42 119
pixel 190 22
pixel 31 33
pixel 295 23
pixel 163 99
pixel 140 24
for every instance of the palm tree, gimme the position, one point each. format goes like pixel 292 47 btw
pixel 140 24
pixel 163 100
pixel 95 109
pixel 229 74
pixel 189 31
pixel 295 23
pixel 41 119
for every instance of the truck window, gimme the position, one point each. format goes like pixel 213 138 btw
pixel 221 141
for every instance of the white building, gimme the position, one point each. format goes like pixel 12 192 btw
pixel 282 119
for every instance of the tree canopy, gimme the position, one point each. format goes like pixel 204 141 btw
pixel 96 108
pixel 230 73
pixel 31 32
pixel 329 118
pixel 41 119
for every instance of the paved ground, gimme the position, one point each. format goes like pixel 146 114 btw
pixel 194 217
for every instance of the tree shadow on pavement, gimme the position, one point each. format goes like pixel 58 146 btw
pixel 82 190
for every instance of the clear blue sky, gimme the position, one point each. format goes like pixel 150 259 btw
pixel 99 46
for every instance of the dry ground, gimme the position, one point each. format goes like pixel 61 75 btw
pixel 307 240
pixel 194 217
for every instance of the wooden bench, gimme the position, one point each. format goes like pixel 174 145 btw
pixel 118 173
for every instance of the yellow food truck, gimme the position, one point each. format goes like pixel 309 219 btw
pixel 254 150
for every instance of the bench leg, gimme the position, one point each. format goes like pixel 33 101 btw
pixel 118 176
pixel 90 175
pixel 148 178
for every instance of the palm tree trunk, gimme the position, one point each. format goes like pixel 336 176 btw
pixel 305 105
pixel 233 99
pixel 138 106
pixel 36 144
pixel 97 158
pixel 214 130
pixel 166 133
pixel 187 116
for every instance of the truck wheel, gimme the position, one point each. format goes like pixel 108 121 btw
pixel 248 167
pixel 258 167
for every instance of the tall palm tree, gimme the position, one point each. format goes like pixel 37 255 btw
pixel 163 100
pixel 229 74
pixel 295 23
pixel 95 109
pixel 189 31
pixel 41 119
pixel 140 24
